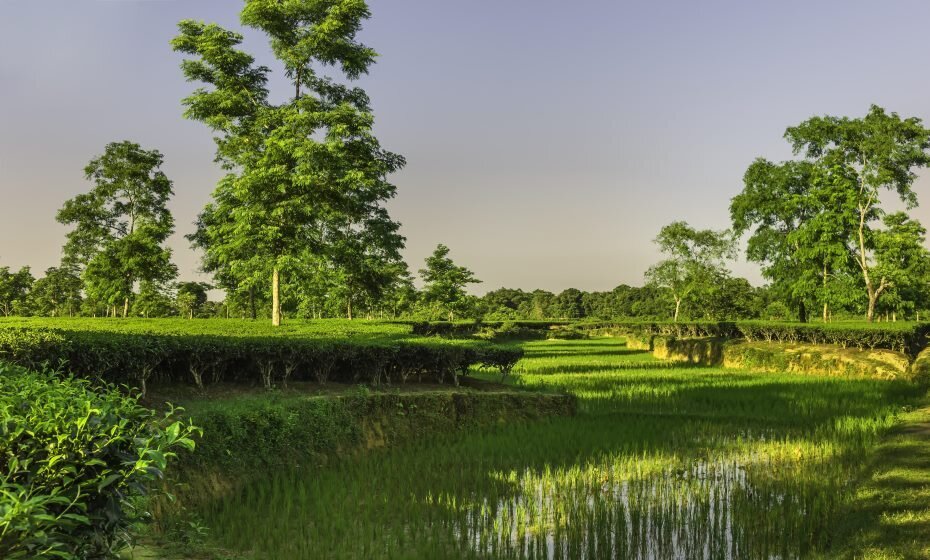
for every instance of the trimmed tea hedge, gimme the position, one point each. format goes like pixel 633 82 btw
pixel 643 329
pixel 136 358
pixel 506 329
pixel 908 338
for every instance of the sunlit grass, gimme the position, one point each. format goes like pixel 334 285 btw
pixel 661 462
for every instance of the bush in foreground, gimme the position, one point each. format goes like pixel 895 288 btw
pixel 76 464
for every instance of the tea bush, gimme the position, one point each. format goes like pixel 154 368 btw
pixel 76 463
pixel 909 338
pixel 137 357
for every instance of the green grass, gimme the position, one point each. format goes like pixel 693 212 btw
pixel 662 461
pixel 888 516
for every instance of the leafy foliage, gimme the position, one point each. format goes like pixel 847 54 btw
pixel 813 220
pixel 14 289
pixel 445 282
pixel 75 464
pixel 306 178
pixel 909 338
pixel 180 355
pixel 121 224
pixel 694 260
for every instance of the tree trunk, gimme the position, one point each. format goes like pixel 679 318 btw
pixel 349 308
pixel 125 307
pixel 252 312
pixel 677 308
pixel 873 299
pixel 802 312
pixel 825 305
pixel 275 298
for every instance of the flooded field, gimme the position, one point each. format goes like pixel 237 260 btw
pixel 662 461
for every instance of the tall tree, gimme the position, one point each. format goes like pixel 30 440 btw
pixel 694 258
pixel 154 300
pixel 861 158
pixel 56 294
pixel 445 281
pixel 788 218
pixel 367 258
pixel 903 261
pixel 191 297
pixel 568 304
pixel 302 172
pixel 14 290
pixel 121 224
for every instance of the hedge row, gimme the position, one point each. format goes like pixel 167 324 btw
pixel 909 338
pixel 647 329
pixel 137 358
pixel 466 329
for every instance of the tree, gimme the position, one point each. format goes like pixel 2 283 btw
pixel 401 295
pixel 903 261
pixel 154 300
pixel 444 281
pixel 14 290
pixel 778 204
pixel 694 258
pixel 56 294
pixel 121 225
pixel 367 257
pixel 728 299
pixel 190 297
pixel 568 304
pixel 504 303
pixel 303 173
pixel 859 159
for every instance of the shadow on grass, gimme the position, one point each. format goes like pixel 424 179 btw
pixel 889 516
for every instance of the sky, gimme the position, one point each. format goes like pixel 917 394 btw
pixel 547 142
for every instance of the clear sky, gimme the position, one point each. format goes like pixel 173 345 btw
pixel 547 141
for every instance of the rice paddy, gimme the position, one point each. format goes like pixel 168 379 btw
pixel 662 461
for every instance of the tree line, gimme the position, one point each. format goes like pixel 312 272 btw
pixel 297 225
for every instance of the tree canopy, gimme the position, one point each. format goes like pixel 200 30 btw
pixel 306 178
pixel 813 221
pixel 694 260
pixel 445 282
pixel 121 225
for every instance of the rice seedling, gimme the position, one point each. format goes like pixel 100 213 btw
pixel 662 461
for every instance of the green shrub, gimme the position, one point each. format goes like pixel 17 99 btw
pixel 76 463
pixel 566 333
pixel 135 358
pixel 909 338
pixel 689 329
pixel 503 359
pixel 465 329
